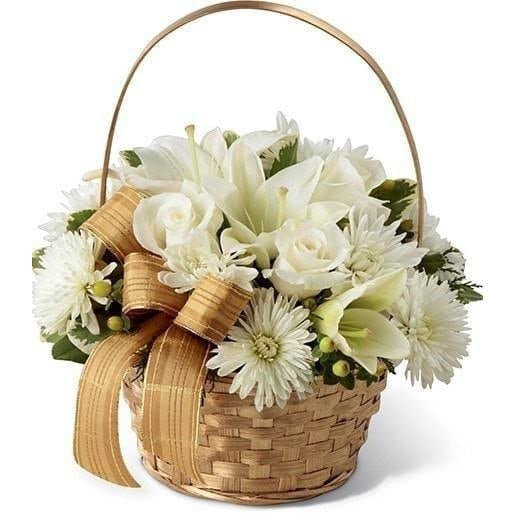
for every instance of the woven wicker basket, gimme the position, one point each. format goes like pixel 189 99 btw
pixel 275 456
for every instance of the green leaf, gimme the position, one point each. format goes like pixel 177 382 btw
pixel 466 291
pixel 432 263
pixel 117 291
pixel 397 195
pixel 65 350
pixel 316 352
pixel 83 333
pixel 348 381
pixel 328 377
pixel 287 156
pixel 389 365
pixel 131 158
pixel 51 338
pixel 36 258
pixel 77 218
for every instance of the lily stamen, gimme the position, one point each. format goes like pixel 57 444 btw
pixel 190 131
pixel 282 194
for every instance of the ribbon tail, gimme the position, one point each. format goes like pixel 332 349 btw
pixel 96 440
pixel 172 398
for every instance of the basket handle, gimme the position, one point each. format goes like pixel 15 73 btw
pixel 293 12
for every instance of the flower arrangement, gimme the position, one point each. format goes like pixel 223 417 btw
pixel 323 242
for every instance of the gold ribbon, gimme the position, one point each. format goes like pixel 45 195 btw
pixel 176 370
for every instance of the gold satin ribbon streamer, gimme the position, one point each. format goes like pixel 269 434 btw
pixel 176 368
pixel 172 396
pixel 96 443
pixel 176 373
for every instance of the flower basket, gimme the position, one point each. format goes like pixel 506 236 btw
pixel 275 456
pixel 250 294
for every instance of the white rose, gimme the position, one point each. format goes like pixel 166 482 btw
pixel 168 219
pixel 307 258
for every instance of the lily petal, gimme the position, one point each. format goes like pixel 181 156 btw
pixel 385 340
pixel 381 292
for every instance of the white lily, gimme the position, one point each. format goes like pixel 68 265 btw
pixel 170 160
pixel 256 207
pixel 354 322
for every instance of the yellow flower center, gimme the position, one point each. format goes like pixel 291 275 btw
pixel 265 347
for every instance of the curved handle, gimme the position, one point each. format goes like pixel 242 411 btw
pixel 293 12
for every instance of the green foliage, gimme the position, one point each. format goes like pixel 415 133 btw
pixel 230 137
pixel 78 218
pixel 287 156
pixel 389 365
pixel 65 350
pixel 117 291
pixel 466 291
pixel 432 263
pixel 131 158
pixel 36 258
pixel 397 195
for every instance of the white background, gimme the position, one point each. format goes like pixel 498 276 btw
pixel 451 62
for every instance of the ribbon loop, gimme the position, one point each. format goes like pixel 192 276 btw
pixel 112 223
pixel 213 308
pixel 142 291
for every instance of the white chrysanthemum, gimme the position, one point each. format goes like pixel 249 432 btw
pixel 431 237
pixel 62 292
pixel 375 249
pixel 200 255
pixel 84 197
pixel 268 346
pixel 435 324
pixel 309 148
pixel 288 132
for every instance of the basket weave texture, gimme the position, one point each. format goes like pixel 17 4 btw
pixel 275 456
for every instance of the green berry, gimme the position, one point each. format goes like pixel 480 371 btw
pixel 388 185
pixel 102 288
pixel 326 345
pixel 341 368
pixel 310 303
pixel 115 323
pixel 406 225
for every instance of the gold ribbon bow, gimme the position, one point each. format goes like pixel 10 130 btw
pixel 181 331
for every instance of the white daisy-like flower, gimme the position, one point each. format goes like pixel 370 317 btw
pixel 432 240
pixel 434 322
pixel 63 286
pixel 375 249
pixel 200 255
pixel 268 349
pixel 309 148
pixel 84 197
pixel 288 132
